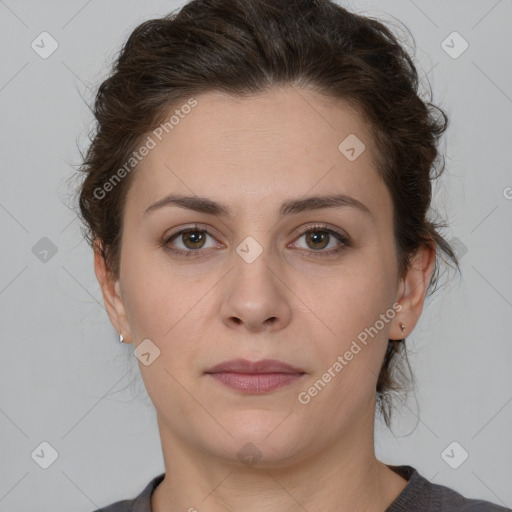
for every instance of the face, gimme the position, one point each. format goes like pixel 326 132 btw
pixel 250 268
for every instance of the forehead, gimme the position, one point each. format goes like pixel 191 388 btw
pixel 284 142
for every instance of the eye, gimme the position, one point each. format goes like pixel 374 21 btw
pixel 323 240
pixel 193 241
pixel 189 240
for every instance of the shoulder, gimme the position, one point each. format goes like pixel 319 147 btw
pixel 141 503
pixel 423 496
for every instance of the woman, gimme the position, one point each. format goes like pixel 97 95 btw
pixel 256 196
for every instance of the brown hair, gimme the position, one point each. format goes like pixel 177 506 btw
pixel 244 47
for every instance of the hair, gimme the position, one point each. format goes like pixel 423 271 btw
pixel 244 47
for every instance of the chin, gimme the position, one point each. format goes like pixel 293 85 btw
pixel 260 439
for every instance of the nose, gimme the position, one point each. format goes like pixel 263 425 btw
pixel 255 297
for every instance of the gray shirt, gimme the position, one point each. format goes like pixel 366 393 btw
pixel 419 495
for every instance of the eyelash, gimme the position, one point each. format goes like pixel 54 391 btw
pixel 344 241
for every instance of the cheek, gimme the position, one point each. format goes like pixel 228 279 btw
pixel 351 350
pixel 153 299
pixel 350 307
pixel 163 303
pixel 354 297
pixel 148 305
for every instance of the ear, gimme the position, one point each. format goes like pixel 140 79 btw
pixel 412 290
pixel 112 297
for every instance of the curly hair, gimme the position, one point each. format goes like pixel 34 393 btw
pixel 245 47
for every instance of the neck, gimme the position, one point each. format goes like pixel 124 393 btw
pixel 344 477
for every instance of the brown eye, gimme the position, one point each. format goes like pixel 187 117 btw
pixel 193 239
pixel 322 240
pixel 317 239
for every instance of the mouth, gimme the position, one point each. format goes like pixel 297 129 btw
pixel 255 377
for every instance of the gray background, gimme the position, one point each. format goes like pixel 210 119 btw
pixel 67 381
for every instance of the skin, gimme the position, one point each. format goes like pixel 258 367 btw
pixel 292 303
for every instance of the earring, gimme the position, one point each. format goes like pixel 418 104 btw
pixel 121 338
pixel 402 326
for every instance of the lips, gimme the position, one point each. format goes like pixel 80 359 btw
pixel 256 367
pixel 256 377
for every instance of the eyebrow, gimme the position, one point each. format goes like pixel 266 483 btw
pixel 205 205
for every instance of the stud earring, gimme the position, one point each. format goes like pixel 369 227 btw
pixel 402 327
pixel 121 338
